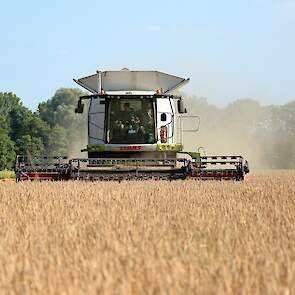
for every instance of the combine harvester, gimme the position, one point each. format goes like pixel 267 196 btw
pixel 135 131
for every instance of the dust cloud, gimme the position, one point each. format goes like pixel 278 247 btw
pixel 78 135
pixel 78 142
pixel 242 128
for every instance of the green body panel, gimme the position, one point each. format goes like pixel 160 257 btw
pixel 95 148
pixel 175 147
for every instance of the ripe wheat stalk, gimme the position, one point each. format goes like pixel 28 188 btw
pixel 181 237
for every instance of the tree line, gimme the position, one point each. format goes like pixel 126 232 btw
pixel 50 130
pixel 263 134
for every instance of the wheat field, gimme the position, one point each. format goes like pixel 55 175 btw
pixel 182 237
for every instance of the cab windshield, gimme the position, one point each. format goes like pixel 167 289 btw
pixel 131 121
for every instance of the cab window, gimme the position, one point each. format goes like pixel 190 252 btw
pixel 131 121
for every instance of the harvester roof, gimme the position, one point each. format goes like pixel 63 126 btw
pixel 136 82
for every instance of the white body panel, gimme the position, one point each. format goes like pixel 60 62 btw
pixel 167 107
pixel 130 92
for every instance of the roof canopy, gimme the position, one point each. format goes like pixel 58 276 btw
pixel 125 80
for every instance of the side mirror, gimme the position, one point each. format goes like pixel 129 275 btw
pixel 180 107
pixel 80 107
pixel 163 117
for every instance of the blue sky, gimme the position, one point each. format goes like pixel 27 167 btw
pixel 230 49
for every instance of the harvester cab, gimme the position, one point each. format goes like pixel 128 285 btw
pixel 135 131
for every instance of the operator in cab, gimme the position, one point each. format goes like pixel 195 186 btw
pixel 126 113
pixel 147 123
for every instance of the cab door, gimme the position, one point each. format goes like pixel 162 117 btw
pixel 96 121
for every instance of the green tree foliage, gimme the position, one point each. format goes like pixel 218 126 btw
pixel 30 146
pixel 67 128
pixel 59 110
pixel 7 151
pixel 23 132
